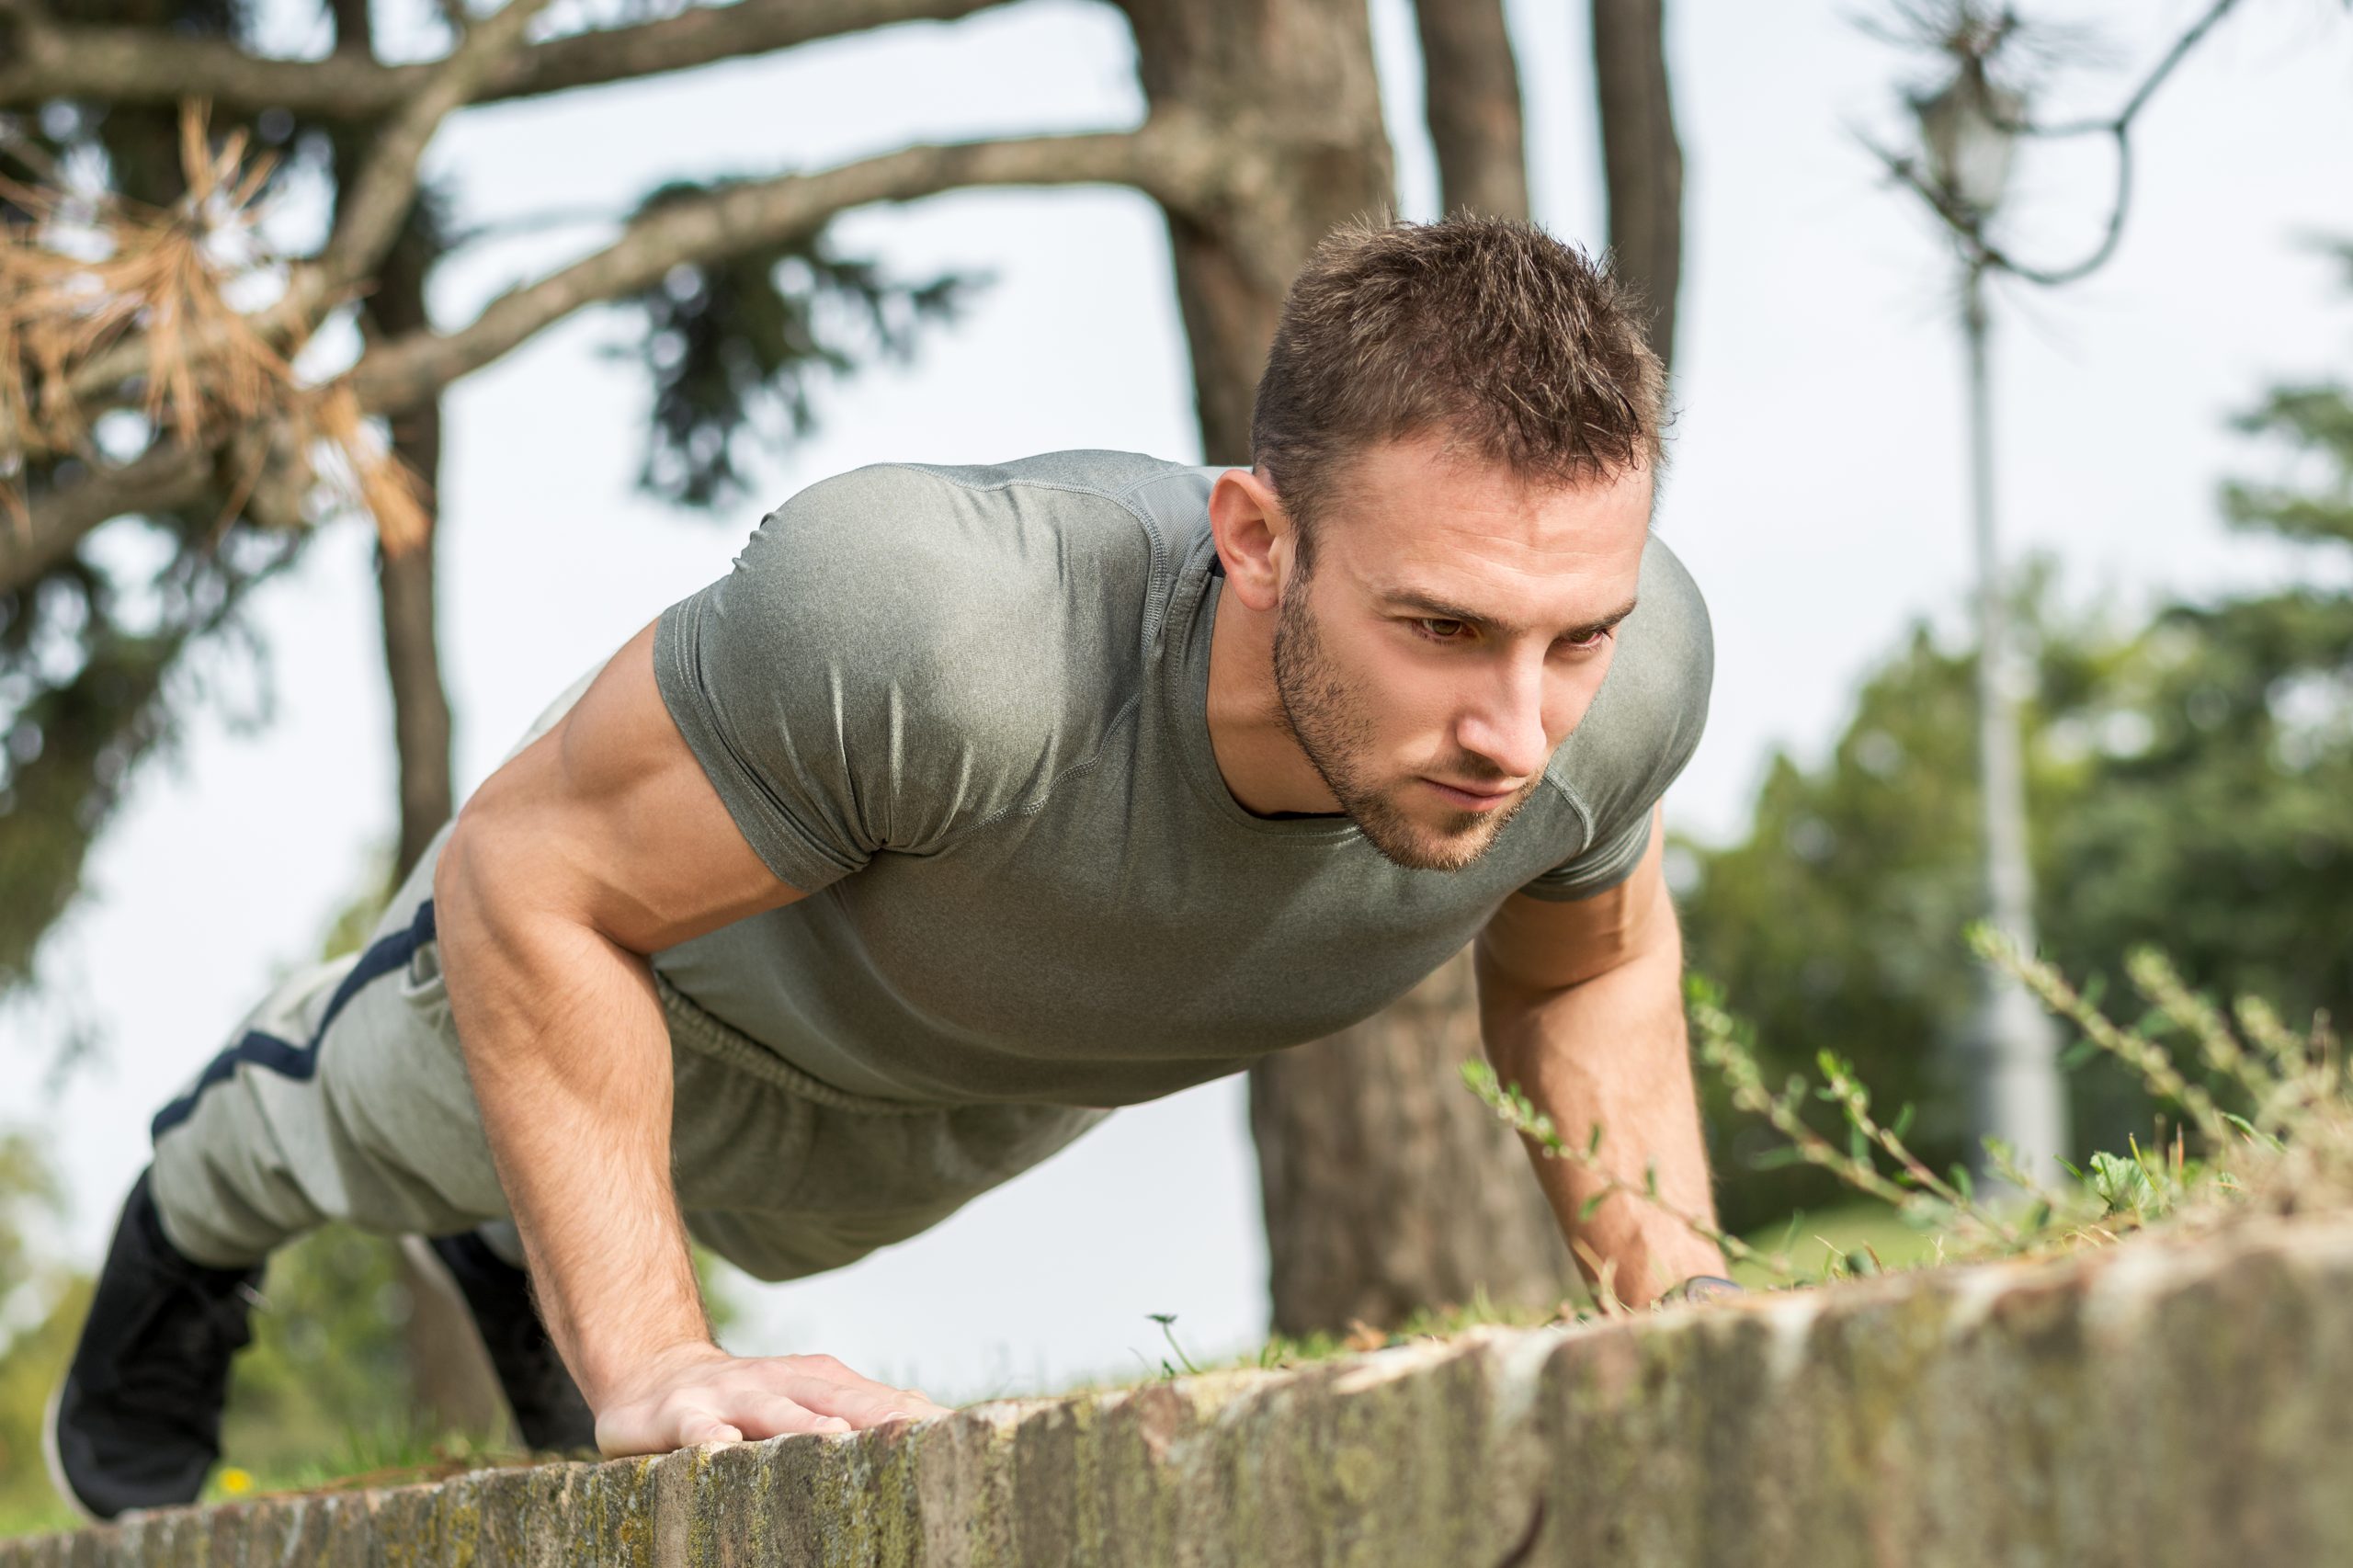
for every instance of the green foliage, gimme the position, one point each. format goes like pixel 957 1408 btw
pixel 28 1195
pixel 328 1372
pixel 2227 838
pixel 1837 922
pixel 72 740
pixel 30 1363
pixel 2189 785
pixel 40 1309
pixel 2289 1150
pixel 736 348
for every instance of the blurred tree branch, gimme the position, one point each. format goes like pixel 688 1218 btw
pixel 51 59
pixel 1177 160
pixel 371 208
pixel 52 524
pixel 368 217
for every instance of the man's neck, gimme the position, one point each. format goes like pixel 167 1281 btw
pixel 1264 770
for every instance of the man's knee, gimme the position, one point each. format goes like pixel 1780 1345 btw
pixel 224 1199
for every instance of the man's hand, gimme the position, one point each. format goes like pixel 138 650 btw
pixel 1582 1006
pixel 698 1393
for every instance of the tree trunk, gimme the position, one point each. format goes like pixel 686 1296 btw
pixel 450 1378
pixel 405 585
pixel 1471 99
pixel 1293 79
pixel 451 1382
pixel 1386 1185
pixel 1641 162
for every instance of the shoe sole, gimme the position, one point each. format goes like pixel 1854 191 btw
pixel 54 1461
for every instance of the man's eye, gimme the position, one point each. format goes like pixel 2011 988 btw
pixel 1586 644
pixel 1440 630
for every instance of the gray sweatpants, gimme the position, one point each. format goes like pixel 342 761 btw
pixel 344 1097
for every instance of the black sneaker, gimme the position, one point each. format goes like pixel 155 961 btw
pixel 549 1410
pixel 137 1421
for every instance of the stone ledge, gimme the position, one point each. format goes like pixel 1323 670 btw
pixel 2167 1401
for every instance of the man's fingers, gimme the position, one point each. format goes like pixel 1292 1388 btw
pixel 861 1404
pixel 825 1385
pixel 754 1398
pixel 774 1416
pixel 699 1426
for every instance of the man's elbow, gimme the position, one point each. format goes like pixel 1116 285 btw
pixel 469 868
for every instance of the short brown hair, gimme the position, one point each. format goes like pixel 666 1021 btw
pixel 1487 329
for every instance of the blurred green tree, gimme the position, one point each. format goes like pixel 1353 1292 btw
pixel 2190 784
pixel 40 1310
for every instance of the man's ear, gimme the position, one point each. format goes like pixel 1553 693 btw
pixel 1253 537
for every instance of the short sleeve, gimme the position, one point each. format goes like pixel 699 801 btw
pixel 1640 731
pixel 851 688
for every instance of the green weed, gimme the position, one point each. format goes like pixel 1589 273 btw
pixel 2287 1144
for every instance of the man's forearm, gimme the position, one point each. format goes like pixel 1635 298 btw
pixel 1612 1052
pixel 569 1056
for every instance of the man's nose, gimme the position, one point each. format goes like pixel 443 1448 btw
pixel 1506 726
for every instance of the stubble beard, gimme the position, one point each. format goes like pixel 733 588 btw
pixel 1330 720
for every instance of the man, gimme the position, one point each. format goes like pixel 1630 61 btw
pixel 971 802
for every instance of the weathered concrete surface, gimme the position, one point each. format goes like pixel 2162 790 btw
pixel 2164 1402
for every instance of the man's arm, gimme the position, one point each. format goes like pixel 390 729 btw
pixel 600 842
pixel 1581 1004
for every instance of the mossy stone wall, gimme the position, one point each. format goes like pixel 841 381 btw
pixel 2181 1400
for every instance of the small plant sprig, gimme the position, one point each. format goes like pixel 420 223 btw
pixel 1947 1205
pixel 2293 1146
pixel 2144 1056
pixel 1167 1322
pixel 1512 1105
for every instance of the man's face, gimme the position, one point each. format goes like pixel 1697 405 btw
pixel 1454 628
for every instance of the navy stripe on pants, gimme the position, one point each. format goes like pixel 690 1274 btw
pixel 299 1061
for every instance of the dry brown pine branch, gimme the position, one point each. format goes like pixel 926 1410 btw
pixel 370 217
pixel 142 65
pixel 117 279
pixel 138 288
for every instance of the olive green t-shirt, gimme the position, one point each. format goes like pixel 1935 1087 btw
pixel 965 710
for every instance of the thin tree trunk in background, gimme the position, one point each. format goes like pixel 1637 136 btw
pixel 405 585
pixel 1471 99
pixel 451 1382
pixel 1641 162
pixel 450 1377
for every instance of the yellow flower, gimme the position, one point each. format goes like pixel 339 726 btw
pixel 236 1483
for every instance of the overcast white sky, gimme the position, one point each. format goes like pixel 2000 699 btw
pixel 1817 495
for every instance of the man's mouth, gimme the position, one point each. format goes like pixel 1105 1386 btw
pixel 1470 798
